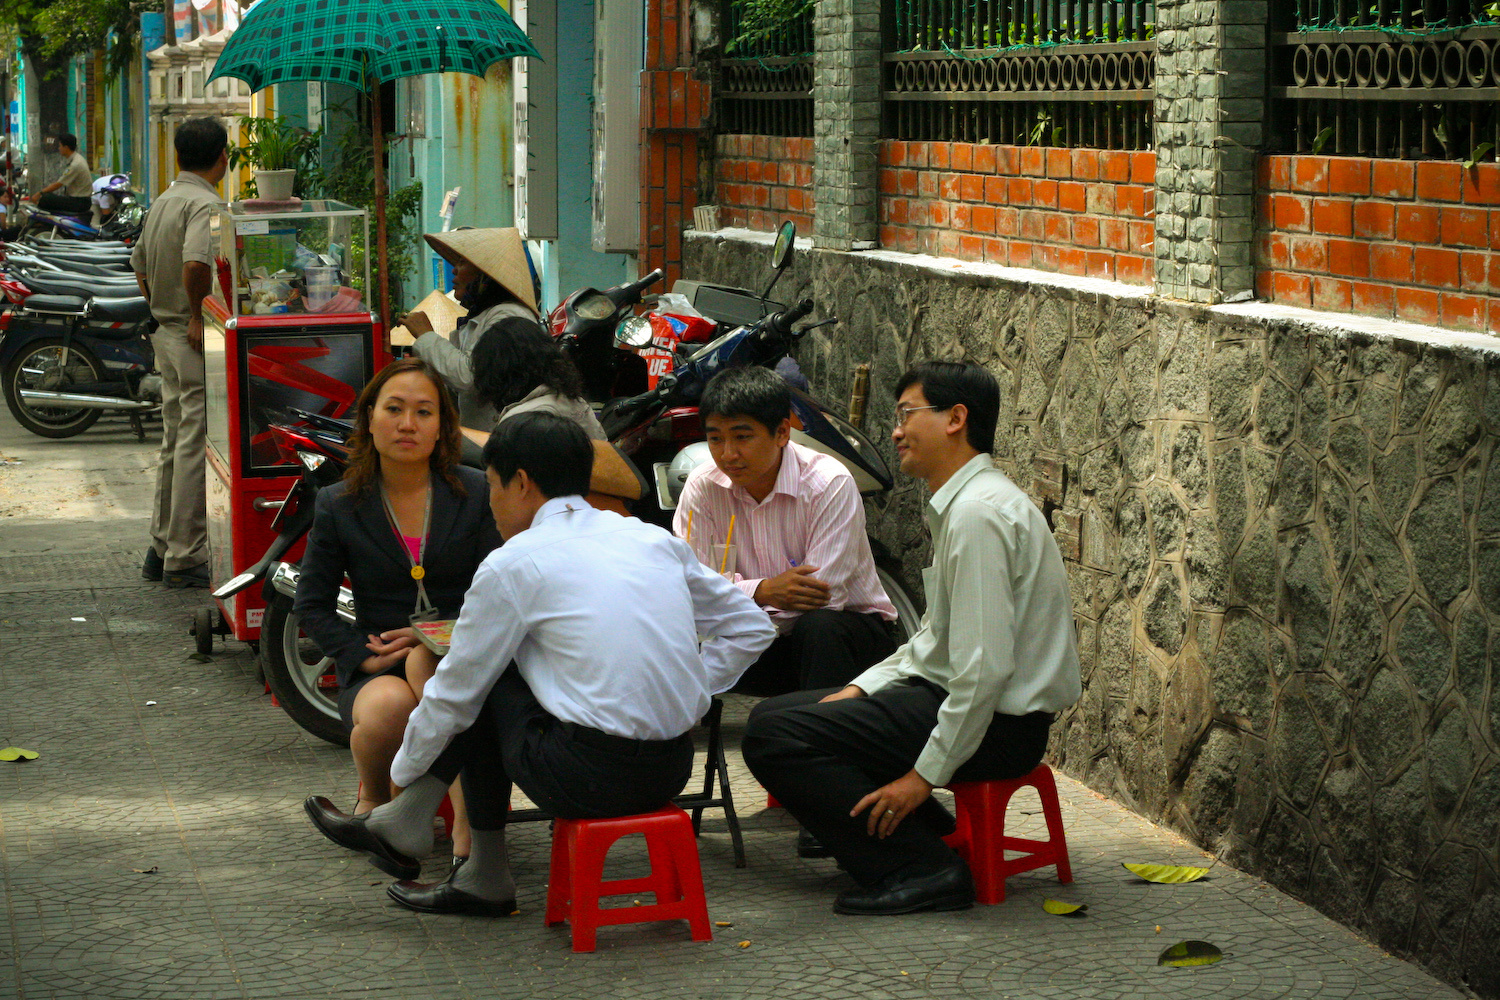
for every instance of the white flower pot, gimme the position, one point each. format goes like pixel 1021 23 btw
pixel 275 185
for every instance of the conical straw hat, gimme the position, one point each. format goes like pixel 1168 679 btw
pixel 499 253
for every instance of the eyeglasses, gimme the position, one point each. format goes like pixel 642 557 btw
pixel 904 412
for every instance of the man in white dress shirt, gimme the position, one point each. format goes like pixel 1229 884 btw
pixel 969 698
pixel 601 615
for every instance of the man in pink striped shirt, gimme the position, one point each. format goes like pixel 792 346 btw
pixel 799 537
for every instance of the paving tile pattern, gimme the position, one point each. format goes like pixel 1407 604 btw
pixel 248 901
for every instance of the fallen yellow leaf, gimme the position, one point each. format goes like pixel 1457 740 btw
pixel 743 944
pixel 1166 874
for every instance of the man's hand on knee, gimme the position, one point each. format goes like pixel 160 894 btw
pixel 892 803
pixel 852 691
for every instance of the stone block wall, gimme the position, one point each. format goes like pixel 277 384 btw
pixel 764 180
pixel 1074 211
pixel 1393 238
pixel 1284 547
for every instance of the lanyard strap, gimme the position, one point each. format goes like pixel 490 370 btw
pixel 424 609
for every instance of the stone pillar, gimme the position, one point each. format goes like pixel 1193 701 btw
pixel 1210 114
pixel 846 123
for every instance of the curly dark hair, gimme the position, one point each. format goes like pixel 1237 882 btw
pixel 515 356
pixel 364 461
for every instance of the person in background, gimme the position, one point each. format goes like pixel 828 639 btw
pixel 492 279
pixel 408 526
pixel 70 193
pixel 174 266
pixel 969 698
pixel 519 368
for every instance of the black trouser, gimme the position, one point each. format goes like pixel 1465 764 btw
pixel 820 759
pixel 64 203
pixel 822 649
pixel 567 769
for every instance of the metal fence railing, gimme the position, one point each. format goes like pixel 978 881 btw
pixel 1028 72
pixel 765 83
pixel 1410 79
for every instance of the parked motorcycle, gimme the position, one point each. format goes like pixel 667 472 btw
pixel 121 216
pixel 74 349
pixel 661 430
pixel 584 324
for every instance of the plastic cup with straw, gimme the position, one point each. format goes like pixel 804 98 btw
pixel 728 547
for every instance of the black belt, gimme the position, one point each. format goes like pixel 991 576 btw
pixel 623 745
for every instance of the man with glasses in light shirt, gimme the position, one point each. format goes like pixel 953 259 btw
pixel 969 698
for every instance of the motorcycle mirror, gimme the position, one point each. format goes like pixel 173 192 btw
pixel 634 332
pixel 781 250
pixel 781 254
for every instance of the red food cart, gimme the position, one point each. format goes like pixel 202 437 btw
pixel 289 330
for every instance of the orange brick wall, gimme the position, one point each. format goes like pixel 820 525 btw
pixel 1074 211
pixel 762 181
pixel 674 108
pixel 1417 241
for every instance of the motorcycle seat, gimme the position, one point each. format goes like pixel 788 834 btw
pixel 82 267
pixel 69 305
pixel 84 284
pixel 128 310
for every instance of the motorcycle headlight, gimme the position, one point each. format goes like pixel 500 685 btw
pixel 311 461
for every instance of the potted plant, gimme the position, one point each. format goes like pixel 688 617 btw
pixel 274 149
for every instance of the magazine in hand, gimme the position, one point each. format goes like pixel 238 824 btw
pixel 436 636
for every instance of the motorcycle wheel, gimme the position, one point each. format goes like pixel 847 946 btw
pixel 44 357
pixel 292 666
pixel 908 618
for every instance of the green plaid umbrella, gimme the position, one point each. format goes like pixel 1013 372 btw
pixel 364 43
pixel 356 42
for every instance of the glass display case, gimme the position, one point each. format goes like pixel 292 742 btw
pixel 305 258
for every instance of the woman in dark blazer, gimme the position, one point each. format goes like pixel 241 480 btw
pixel 408 523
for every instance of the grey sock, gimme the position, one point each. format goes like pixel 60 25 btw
pixel 405 822
pixel 487 872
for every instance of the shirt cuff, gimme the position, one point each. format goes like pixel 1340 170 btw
pixel 198 258
pixel 933 765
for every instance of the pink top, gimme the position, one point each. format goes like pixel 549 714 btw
pixel 813 516
pixel 414 546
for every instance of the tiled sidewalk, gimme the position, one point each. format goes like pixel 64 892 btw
pixel 247 900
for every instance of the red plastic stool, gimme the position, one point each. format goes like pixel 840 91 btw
pixel 980 838
pixel 771 802
pixel 576 882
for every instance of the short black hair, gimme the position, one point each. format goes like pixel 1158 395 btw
pixel 948 383
pixel 752 391
pixel 199 142
pixel 515 356
pixel 554 451
pixel 68 139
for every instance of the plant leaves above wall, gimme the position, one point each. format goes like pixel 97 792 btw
pixel 1188 953
pixel 1166 874
pixel 1061 909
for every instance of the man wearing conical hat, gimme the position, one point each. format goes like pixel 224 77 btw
pixel 492 279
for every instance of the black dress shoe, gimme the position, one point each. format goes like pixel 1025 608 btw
pixel 152 566
pixel 193 576
pixel 950 889
pixel 351 832
pixel 809 846
pixel 442 897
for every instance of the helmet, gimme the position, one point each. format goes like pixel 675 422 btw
pixel 681 467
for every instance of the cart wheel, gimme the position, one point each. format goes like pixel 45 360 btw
pixel 203 629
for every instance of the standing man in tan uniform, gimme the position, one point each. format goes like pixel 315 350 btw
pixel 174 264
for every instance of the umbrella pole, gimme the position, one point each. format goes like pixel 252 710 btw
pixel 378 128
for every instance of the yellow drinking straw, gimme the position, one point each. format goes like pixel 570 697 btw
pixel 728 541
pixel 689 537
